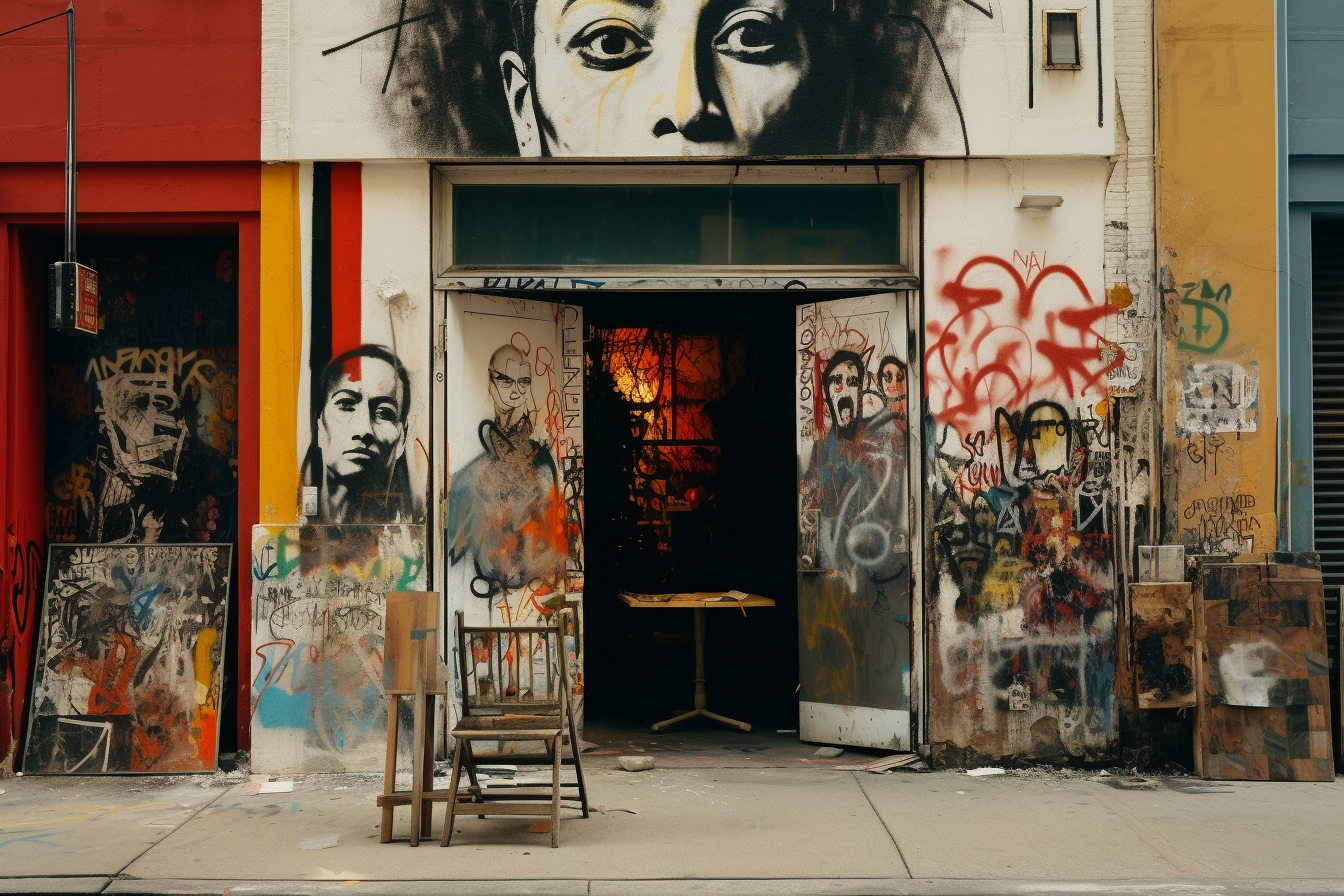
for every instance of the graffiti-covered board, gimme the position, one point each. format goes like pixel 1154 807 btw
pixel 318 611
pixel 130 659
pixel 1264 710
pixel 854 521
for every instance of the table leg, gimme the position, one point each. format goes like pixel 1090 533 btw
pixel 700 701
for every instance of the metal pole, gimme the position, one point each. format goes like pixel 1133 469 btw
pixel 70 132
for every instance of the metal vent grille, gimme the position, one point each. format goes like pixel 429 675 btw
pixel 1327 372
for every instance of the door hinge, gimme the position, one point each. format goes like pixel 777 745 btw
pixel 441 338
pixel 443 506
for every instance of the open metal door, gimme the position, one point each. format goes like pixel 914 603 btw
pixel 854 552
pixel 513 401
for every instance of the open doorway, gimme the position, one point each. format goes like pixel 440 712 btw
pixel 691 476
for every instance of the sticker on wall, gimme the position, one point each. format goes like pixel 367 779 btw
pixel 1218 396
pixel 130 659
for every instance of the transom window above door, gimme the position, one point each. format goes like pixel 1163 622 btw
pixel 530 218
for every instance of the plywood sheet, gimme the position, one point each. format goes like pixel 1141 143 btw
pixel 1264 700
pixel 1163 632
pixel 130 659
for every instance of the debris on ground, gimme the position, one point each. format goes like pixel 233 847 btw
pixel 886 764
pixel 635 763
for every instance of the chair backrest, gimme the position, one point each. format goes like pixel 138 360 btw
pixel 519 670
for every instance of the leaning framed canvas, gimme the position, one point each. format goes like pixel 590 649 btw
pixel 129 659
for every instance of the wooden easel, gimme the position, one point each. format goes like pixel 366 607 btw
pixel 411 668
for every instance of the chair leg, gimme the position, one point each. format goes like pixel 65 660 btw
pixel 452 794
pixel 469 760
pixel 556 753
pixel 578 764
pixel 389 769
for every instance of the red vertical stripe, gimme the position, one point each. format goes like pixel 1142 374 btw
pixel 347 249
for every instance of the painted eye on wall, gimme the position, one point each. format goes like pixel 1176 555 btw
pixel 750 35
pixel 610 44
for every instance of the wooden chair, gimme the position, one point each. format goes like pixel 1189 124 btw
pixel 515 687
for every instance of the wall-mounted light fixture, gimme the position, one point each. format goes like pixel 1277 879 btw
pixel 1040 200
pixel 1060 30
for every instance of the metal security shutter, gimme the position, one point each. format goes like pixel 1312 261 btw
pixel 1327 371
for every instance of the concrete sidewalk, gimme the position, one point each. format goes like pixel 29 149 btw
pixel 682 831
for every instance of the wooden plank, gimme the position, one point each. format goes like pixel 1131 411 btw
pixel 885 764
pixel 409 611
pixel 1163 636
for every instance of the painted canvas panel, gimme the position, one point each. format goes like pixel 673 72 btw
pixel 853 508
pixel 130 659
pixel 318 611
pixel 515 503
pixel 1264 712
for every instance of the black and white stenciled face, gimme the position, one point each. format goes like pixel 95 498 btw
pixel 360 429
pixel 510 383
pixel 655 77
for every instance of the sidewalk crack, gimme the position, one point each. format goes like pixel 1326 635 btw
pixel 121 875
pixel 890 835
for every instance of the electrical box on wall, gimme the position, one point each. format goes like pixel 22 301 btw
pixel 1162 563
pixel 72 294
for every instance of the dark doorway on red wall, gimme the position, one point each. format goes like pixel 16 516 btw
pixel 142 419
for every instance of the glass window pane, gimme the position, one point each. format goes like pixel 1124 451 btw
pixel 518 225
pixel 837 224
pixel 573 224
pixel 1063 38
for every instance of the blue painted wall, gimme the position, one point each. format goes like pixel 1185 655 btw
pixel 1311 183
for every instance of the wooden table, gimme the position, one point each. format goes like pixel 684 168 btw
pixel 698 601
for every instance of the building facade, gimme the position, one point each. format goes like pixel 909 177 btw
pixel 557 227
pixel 918 318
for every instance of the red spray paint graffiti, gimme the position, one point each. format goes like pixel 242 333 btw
pixel 1010 338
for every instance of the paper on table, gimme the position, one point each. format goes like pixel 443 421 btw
pixel 738 596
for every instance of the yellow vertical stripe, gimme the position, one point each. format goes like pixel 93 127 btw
pixel 281 342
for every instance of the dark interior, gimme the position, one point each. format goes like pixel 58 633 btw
pixel 721 458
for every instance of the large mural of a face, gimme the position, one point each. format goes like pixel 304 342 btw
pixel 669 78
pixel 699 77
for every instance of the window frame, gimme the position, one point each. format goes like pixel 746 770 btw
pixel 450 276
pixel 1077 40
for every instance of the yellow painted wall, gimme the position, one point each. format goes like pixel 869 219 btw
pixel 281 342
pixel 1216 247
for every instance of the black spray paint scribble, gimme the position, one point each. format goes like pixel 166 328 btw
pixel 487 79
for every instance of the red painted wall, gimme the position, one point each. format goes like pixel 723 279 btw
pixel 169 99
pixel 157 80
pixel 23 496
